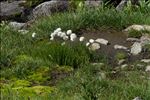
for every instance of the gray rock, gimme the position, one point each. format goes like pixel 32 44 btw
pixel 94 46
pixel 137 98
pixel 134 27
pixel 145 39
pixel 93 3
pixel 121 61
pixel 22 31
pixel 120 47
pixel 136 48
pixel 124 66
pixel 121 5
pixel 145 60
pixel 49 7
pixel 10 9
pixel 138 28
pixel 147 27
pixel 97 64
pixel 133 40
pixel 147 68
pixel 102 41
pixel 16 25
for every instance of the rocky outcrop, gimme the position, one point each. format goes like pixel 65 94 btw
pixel 49 7
pixel 11 9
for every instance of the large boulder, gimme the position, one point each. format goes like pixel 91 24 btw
pixel 49 7
pixel 10 9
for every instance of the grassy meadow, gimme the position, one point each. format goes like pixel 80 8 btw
pixel 38 69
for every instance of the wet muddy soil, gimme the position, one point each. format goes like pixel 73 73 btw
pixel 114 37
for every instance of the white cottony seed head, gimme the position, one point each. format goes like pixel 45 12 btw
pixel 52 38
pixel 53 35
pixel 62 34
pixel 69 32
pixel 33 35
pixel 65 38
pixel 59 34
pixel 91 40
pixel 81 39
pixel 73 37
pixel 87 44
pixel 58 29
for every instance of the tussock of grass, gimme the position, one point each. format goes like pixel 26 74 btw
pixel 91 18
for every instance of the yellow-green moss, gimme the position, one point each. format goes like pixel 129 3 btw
pixel 63 68
pixel 120 55
pixel 37 78
pixel 22 58
pixel 29 91
pixel 21 83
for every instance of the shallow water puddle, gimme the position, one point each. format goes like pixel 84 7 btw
pixel 112 36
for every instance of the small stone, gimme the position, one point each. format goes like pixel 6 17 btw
pixel 23 31
pixel 16 25
pixel 121 61
pixel 102 41
pixel 140 65
pixel 136 48
pixel 93 3
pixel 145 39
pixel 94 46
pixel 120 47
pixel 133 40
pixel 137 98
pixel 98 64
pixel 147 68
pixel 145 60
pixel 124 66
pixel 135 27
pixel 103 75
pixel 147 27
